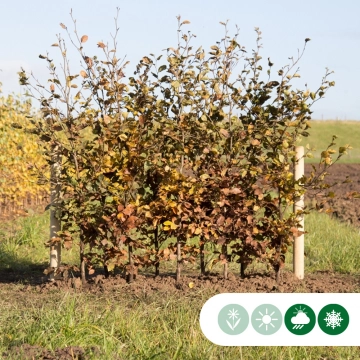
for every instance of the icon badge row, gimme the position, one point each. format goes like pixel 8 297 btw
pixel 299 319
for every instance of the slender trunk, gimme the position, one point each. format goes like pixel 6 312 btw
pixel 106 271
pixel 202 258
pixel 278 275
pixel 243 267
pixel 131 265
pixel 178 261
pixel 82 261
pixel 156 243
pixel 225 256
pixel 278 249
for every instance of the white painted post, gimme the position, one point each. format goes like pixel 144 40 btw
pixel 55 225
pixel 299 205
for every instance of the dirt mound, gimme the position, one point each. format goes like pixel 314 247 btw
pixel 320 282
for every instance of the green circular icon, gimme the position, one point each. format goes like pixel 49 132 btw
pixel 233 319
pixel 333 319
pixel 266 319
pixel 300 319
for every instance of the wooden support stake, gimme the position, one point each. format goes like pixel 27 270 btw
pixel 55 225
pixel 299 205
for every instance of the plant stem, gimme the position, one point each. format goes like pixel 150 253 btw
pixel 224 252
pixel 82 260
pixel 202 258
pixel 243 267
pixel 156 242
pixel 131 265
pixel 178 261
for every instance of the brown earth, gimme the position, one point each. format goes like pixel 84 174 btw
pixel 37 285
pixel 32 352
pixel 345 208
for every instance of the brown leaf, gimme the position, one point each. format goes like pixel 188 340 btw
pixel 104 242
pixel 248 240
pixel 84 39
pixel 141 120
pixel 67 245
pixel 52 87
pixel 235 191
pixel 62 25
pixel 101 44
pixel 120 207
pixel 83 74
pixel 185 22
pixel 255 142
pixel 220 220
pixel 258 192
pixel 131 222
pixel 88 61
pixel 128 210
pixel 107 119
pixel 224 133
pixel 187 205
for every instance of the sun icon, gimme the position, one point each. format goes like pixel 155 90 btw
pixel 266 319
pixel 300 311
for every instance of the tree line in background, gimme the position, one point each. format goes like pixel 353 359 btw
pixel 20 156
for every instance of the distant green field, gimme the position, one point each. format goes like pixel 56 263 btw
pixel 321 132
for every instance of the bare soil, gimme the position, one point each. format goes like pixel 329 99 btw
pixel 37 285
pixel 345 208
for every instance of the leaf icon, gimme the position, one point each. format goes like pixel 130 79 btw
pixel 230 326
pixel 236 324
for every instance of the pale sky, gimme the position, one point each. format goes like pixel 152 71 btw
pixel 28 28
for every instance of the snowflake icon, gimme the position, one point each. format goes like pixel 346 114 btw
pixel 333 319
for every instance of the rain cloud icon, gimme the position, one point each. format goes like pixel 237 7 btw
pixel 300 320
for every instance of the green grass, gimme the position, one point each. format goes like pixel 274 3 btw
pixel 22 243
pixel 321 132
pixel 331 245
pixel 146 325
pixel 154 327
